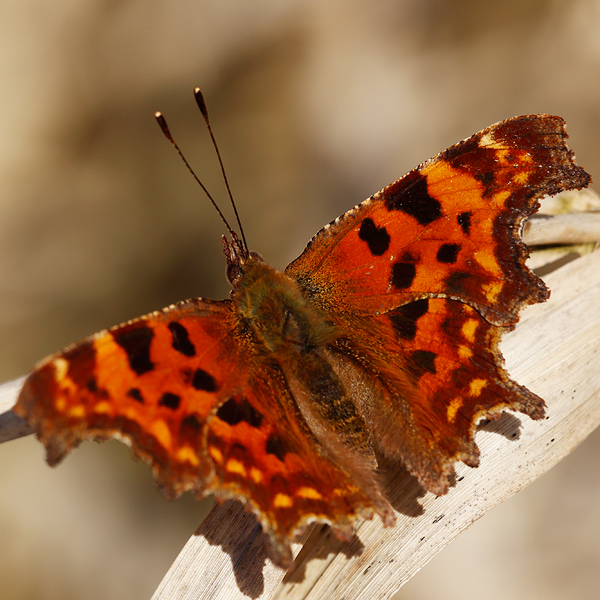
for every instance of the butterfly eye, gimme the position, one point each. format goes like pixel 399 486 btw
pixel 233 272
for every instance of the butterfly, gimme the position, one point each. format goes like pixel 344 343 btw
pixel 381 340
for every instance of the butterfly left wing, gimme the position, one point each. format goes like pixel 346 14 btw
pixel 187 390
pixel 152 382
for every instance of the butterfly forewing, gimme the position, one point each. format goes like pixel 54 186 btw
pixel 153 381
pixel 449 228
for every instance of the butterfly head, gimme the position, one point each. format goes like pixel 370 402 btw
pixel 237 255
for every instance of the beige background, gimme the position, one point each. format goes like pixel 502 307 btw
pixel 316 105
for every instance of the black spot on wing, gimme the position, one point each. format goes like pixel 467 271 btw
pixel 486 178
pixel 377 238
pixel 410 196
pixel 277 447
pixel 181 339
pixel 191 425
pixel 234 412
pixel 135 394
pixel 423 362
pixel 404 319
pixel 92 386
pixel 204 381
pixel 448 253
pixel 403 275
pixel 454 283
pixel 136 343
pixel 170 400
pixel 464 220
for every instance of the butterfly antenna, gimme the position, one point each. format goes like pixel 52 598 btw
pixel 202 106
pixel 165 129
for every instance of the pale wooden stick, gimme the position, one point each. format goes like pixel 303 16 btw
pixel 11 426
pixel 572 228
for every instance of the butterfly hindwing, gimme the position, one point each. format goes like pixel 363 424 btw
pixel 440 371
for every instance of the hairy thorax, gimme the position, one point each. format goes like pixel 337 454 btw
pixel 274 308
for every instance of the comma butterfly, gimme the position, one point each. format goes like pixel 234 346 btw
pixel 380 340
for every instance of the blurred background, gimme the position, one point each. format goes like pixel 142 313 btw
pixel 316 104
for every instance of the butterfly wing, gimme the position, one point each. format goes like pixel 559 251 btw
pixel 425 276
pixel 185 388
pixel 450 228
pixel 438 370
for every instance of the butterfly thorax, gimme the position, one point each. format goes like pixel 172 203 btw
pixel 274 308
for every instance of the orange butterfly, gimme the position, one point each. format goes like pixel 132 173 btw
pixel 380 340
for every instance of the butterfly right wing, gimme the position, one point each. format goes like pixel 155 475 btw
pixel 424 278
pixel 187 389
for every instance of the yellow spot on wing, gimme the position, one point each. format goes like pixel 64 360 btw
pixel 525 156
pixel 77 412
pixel 491 290
pixel 309 493
pixel 453 408
pixel 521 177
pixel 465 352
pixel 282 501
pixel 161 432
pixel 216 454
pixel 186 454
pixel 61 368
pixel 66 385
pixel 102 408
pixel 487 141
pixel 256 475
pixel 486 258
pixel 476 386
pixel 131 413
pixel 499 198
pixel 235 466
pixel 468 330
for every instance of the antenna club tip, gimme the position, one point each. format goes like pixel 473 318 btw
pixel 163 125
pixel 200 102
